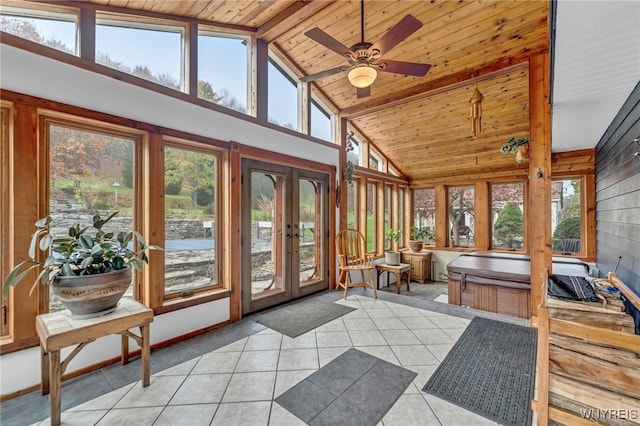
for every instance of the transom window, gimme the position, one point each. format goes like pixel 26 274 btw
pixel 52 28
pixel 283 97
pixel 320 126
pixel 150 51
pixel 225 85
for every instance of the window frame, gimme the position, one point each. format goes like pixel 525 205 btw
pixel 6 140
pixel 523 249
pixel 220 282
pixel 138 22
pixel 584 216
pixel 51 12
pixel 207 31
pixel 289 76
pixel 326 111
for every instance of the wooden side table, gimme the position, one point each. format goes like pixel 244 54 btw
pixel 58 330
pixel 399 270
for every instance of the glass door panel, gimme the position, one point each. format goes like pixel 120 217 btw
pixel 284 234
pixel 311 227
pixel 265 236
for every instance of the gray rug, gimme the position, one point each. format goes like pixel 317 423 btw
pixel 490 371
pixel 298 318
pixel 354 389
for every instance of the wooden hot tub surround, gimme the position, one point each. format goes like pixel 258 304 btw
pixel 499 283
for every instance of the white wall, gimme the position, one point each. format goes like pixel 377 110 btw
pixel 31 74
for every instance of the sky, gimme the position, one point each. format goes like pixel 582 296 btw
pixel 223 62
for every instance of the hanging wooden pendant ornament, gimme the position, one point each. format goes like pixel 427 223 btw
pixel 476 111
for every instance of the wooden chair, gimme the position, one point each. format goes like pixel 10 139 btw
pixel 350 248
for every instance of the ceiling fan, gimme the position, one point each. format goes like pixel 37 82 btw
pixel 365 59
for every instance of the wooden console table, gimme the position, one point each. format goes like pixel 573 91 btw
pixel 399 270
pixel 59 330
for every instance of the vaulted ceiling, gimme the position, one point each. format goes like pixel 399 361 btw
pixel 421 123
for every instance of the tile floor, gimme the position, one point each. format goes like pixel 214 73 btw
pixel 236 378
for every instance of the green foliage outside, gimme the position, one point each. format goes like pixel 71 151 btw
pixel 569 227
pixel 509 226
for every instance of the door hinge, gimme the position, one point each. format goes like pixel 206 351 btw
pixel 241 179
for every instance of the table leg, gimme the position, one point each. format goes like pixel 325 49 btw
pixel 44 371
pixel 124 356
pixel 54 394
pixel 408 281
pixel 398 281
pixel 145 354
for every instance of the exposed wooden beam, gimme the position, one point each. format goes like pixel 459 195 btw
pixel 435 87
pixel 298 12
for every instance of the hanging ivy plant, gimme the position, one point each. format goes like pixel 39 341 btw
pixel 512 145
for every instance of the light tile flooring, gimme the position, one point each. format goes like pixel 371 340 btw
pixel 237 383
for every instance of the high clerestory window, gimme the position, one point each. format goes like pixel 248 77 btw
pixel 320 126
pixel 153 51
pixel 56 28
pixel 223 70
pixel 283 97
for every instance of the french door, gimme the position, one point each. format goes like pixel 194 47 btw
pixel 284 233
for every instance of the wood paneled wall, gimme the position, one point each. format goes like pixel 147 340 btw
pixel 618 194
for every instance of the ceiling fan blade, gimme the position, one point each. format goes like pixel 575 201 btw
pixel 407 68
pixel 363 92
pixel 329 42
pixel 323 74
pixel 403 29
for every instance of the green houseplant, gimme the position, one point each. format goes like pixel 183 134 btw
pixel 517 146
pixel 88 273
pixel 418 237
pixel 392 257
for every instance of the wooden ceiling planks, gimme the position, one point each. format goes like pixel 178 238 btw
pixel 421 124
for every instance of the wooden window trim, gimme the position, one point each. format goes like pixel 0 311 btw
pixel 200 294
pixel 6 114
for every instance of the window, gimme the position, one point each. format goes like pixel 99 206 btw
pixel 223 85
pixel 191 220
pixel 352 205
pixel 401 211
pixel 91 171
pixel 372 202
pixel 566 216
pixel 461 212
pixel 387 214
pixel 5 114
pixel 375 162
pixel 283 97
pixel 56 29
pixel 424 211
pixel 150 51
pixel 354 150
pixel 507 216
pixel 320 122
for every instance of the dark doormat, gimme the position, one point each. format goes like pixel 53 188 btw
pixel 490 371
pixel 298 318
pixel 354 389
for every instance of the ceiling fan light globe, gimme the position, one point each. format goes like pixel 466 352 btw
pixel 362 76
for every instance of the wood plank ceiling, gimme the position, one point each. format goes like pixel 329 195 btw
pixel 421 124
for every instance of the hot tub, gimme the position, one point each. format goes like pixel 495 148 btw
pixel 499 283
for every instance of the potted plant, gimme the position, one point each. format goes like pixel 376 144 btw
pixel 519 147
pixel 88 273
pixel 418 237
pixel 392 257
